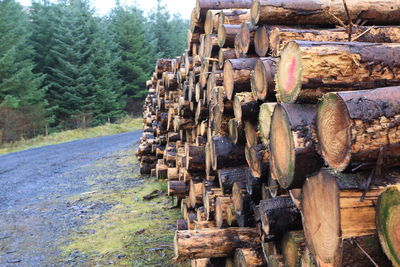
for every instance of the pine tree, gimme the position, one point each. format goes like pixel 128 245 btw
pixel 20 89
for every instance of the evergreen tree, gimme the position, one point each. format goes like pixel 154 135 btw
pixel 20 89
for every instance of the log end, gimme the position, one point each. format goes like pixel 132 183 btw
pixel 264 121
pixel 221 35
pixel 334 131
pixel 388 223
pixel 228 79
pixel 255 11
pixel 289 74
pixel 261 44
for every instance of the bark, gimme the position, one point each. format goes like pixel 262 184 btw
pixel 181 224
pixel 245 106
pixel 229 176
pixel 323 12
pixel 257 158
pixel 200 225
pixel 162 66
pixel 237 75
pixel 306 70
pixel 224 153
pixel 195 157
pixel 202 6
pixel 234 16
pixel 293 155
pixel 360 127
pixel 225 54
pixel 195 244
pixel 246 257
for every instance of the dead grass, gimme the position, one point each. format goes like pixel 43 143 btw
pixel 124 125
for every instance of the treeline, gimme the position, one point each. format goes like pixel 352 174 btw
pixel 63 67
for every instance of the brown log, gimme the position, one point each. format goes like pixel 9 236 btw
pixel 181 224
pixel 263 78
pixel 195 244
pixel 237 75
pixel 209 203
pixel 202 6
pixel 245 107
pixel 195 157
pixel 190 219
pixel 224 153
pixel 211 47
pixel 200 225
pixel 264 122
pixel 236 132
pixel 323 12
pixel 211 21
pixel 225 54
pixel 280 36
pixel 227 34
pixel 293 245
pixel 177 188
pixel 221 205
pixel 307 70
pixel 161 170
pixel 337 199
pixel 228 176
pixel 195 193
pixel 292 146
pixel 241 199
pixel 201 214
pixel 257 158
pixel 231 216
pixel 173 174
pixel 162 66
pixel 360 127
pixel 234 16
pixel 246 257
pixel 247 33
pixel 196 25
pixel 279 215
pixel 269 249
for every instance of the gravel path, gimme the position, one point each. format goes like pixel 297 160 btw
pixel 36 186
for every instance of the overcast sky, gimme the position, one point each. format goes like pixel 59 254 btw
pixel 183 7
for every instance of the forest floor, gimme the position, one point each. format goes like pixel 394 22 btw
pixel 125 124
pixel 81 204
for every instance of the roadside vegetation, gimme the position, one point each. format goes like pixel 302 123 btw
pixel 123 125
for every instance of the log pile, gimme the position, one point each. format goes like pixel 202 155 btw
pixel 281 143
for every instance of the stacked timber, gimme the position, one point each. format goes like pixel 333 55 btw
pixel 278 132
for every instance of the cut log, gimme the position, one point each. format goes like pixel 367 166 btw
pixel 195 244
pixel 211 21
pixel 195 157
pixel 237 75
pixel 264 122
pixel 236 132
pixel 388 223
pixel 181 224
pixel 360 127
pixel 161 170
pixel 231 216
pixel 307 70
pixel 241 199
pixel 234 16
pixel 162 66
pixel 293 245
pixel 280 36
pixel 337 199
pixel 195 193
pixel 224 153
pixel 229 176
pixel 247 33
pixel 227 34
pixel 200 225
pixel 177 188
pixel 225 54
pixel 257 158
pixel 307 259
pixel 279 215
pixel 221 205
pixel 249 257
pixel 292 147
pixel 261 38
pixel 323 12
pixel 173 174
pixel 245 106
pixel 202 6
pixel 263 78
pixel 268 249
pixel 209 203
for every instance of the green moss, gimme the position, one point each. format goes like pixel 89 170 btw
pixel 125 125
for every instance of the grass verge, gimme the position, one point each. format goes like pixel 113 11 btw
pixel 124 125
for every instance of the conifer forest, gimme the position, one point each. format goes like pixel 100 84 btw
pixel 64 67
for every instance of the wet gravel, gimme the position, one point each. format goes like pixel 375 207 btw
pixel 36 187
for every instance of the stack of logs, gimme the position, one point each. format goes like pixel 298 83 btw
pixel 281 142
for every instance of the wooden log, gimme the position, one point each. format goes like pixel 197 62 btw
pixel 247 33
pixel 268 248
pixel 264 122
pixel 224 153
pixel 234 16
pixel 201 215
pixel 263 78
pixel 231 216
pixel 161 170
pixel 195 193
pixel 236 132
pixel 292 147
pixel 261 40
pixel 195 244
pixel 307 259
pixel 221 205
pixel 388 223
pixel 245 106
pixel 162 66
pixel 337 199
pixel 228 176
pixel 209 203
pixel 173 174
pixel 257 158
pixel 200 225
pixel 202 6
pixel 225 54
pixel 195 157
pixel 196 25
pixel 360 127
pixel 190 219
pixel 181 224
pixel 227 34
pixel 246 257
pixel 279 215
pixel 278 37
pixel 211 21
pixel 323 12
pixel 211 47
pixel 307 70
pixel 241 199
pixel 293 245
pixel 237 75
pixel 177 188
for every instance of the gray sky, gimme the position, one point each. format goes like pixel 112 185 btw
pixel 183 7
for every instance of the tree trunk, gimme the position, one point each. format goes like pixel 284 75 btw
pixel 263 78
pixel 224 153
pixel 279 215
pixel 202 6
pixel 337 199
pixel 249 257
pixel 177 188
pixel 211 21
pixel 307 70
pixel 292 147
pixel 195 244
pixel 237 75
pixel 360 127
pixel 227 34
pixel 323 12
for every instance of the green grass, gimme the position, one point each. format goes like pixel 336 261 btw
pixel 124 125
